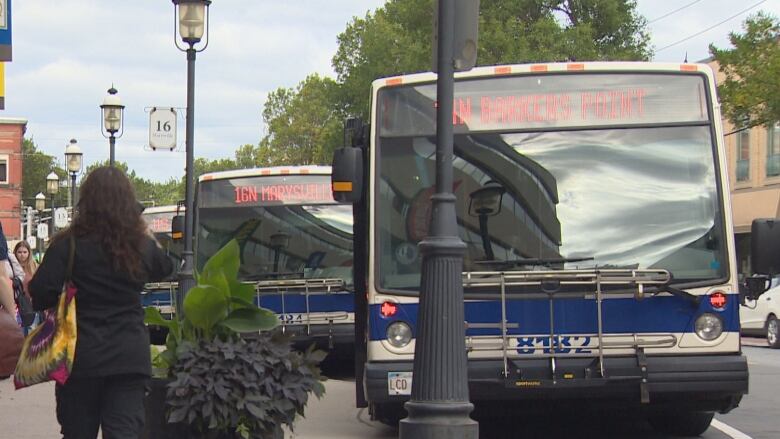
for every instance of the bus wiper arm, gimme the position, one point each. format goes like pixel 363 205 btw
pixel 533 261
pixel 693 299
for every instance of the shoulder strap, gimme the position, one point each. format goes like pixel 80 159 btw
pixel 71 256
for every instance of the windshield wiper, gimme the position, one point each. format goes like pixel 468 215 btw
pixel 532 261
pixel 693 299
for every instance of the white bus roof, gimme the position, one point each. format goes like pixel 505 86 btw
pixel 572 67
pixel 162 209
pixel 274 170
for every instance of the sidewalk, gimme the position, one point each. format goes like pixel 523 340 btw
pixel 28 413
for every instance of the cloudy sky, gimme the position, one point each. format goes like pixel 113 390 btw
pixel 67 53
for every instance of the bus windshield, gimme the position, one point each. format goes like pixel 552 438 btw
pixel 609 171
pixel 159 223
pixel 288 227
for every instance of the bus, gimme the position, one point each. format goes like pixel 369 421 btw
pixel 161 295
pixel 295 242
pixel 599 267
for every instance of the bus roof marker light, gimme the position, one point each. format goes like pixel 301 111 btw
pixel 388 309
pixel 503 70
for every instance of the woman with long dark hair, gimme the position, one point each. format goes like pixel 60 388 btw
pixel 114 257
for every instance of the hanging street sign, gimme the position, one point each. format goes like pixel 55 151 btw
pixel 43 231
pixel 162 128
pixel 60 217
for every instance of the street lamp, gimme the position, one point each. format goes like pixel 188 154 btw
pixel 485 202
pixel 40 202
pixel 52 187
pixel 113 115
pixel 193 24
pixel 73 160
pixel 439 405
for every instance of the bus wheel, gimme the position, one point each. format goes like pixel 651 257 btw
pixel 388 414
pixel 685 424
pixel 773 332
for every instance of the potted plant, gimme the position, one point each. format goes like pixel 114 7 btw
pixel 225 372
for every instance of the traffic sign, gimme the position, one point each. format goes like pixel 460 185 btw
pixel 60 217
pixel 32 241
pixel 162 128
pixel 43 231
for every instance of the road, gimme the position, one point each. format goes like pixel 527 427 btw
pixel 29 413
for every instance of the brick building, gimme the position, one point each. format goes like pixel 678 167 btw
pixel 11 135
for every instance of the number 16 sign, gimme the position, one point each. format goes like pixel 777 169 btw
pixel 162 128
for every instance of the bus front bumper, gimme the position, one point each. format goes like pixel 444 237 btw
pixel 692 382
pixel 323 336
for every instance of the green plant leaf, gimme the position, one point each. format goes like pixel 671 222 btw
pixel 243 302
pixel 241 290
pixel 205 306
pixel 227 259
pixel 152 316
pixel 251 320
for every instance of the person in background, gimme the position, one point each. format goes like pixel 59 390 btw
pixel 27 264
pixel 7 301
pixel 114 257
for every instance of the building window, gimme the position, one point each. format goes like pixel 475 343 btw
pixel 3 168
pixel 773 150
pixel 743 155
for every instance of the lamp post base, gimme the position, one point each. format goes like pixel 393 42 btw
pixel 438 420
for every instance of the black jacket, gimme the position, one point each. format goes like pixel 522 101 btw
pixel 112 338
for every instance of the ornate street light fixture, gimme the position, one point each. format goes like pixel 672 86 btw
pixel 52 187
pixel 40 202
pixel 193 24
pixel 73 161
pixel 113 116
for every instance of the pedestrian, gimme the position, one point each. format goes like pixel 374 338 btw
pixel 24 257
pixel 114 258
pixel 7 301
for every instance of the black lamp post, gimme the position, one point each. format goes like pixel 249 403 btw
pixel 439 406
pixel 73 160
pixel 192 25
pixel 486 202
pixel 52 187
pixel 113 116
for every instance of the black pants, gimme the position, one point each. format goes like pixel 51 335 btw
pixel 113 403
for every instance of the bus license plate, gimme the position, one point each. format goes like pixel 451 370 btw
pixel 399 383
pixel 291 318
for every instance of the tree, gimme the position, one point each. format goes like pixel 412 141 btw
pixel 35 167
pixel 751 92
pixel 147 191
pixel 396 38
pixel 304 124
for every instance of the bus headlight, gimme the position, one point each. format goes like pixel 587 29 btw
pixel 708 326
pixel 399 334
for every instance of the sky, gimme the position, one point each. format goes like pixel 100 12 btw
pixel 68 53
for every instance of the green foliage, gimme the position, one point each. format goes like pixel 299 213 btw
pixel 219 306
pixel 35 167
pixel 224 383
pixel 147 191
pixel 304 124
pixel 751 92
pixel 250 387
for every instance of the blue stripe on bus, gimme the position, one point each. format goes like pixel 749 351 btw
pixel 662 314
pixel 296 303
pixel 293 303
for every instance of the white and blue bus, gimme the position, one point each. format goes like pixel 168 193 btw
pixel 161 295
pixel 295 241
pixel 594 205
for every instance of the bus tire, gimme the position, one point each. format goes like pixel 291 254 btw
pixel 773 332
pixel 685 424
pixel 388 414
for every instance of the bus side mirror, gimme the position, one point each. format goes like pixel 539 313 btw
pixel 177 227
pixel 347 174
pixel 765 255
